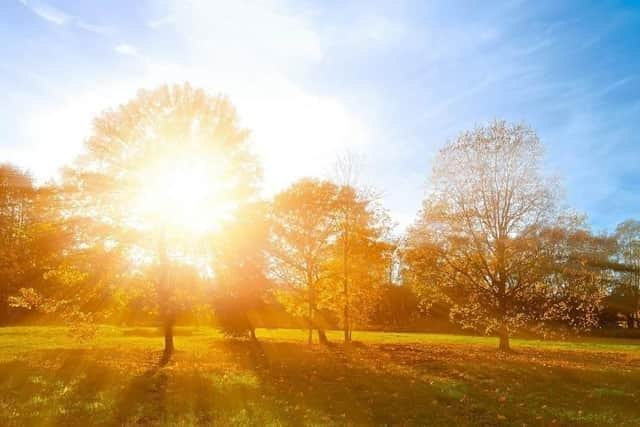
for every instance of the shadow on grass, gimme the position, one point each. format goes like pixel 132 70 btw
pixel 446 385
pixel 283 383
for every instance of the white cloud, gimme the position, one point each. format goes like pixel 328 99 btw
pixel 126 49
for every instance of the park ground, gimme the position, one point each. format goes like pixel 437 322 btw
pixel 49 378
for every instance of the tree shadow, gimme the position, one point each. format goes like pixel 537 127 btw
pixel 455 385
pixel 284 383
pixel 336 384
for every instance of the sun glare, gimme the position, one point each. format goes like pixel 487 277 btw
pixel 183 195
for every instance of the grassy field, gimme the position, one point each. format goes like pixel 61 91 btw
pixel 47 378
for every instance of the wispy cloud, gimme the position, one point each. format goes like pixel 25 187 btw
pixel 46 12
pixel 59 17
pixel 615 85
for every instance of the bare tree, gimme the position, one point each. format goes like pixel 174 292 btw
pixel 478 227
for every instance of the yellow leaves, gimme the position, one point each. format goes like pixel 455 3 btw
pixel 66 275
pixel 28 298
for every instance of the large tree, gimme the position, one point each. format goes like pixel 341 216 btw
pixel 477 231
pixel 158 173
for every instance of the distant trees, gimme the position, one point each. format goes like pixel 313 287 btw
pixel 477 240
pixel 574 277
pixel 34 240
pixel 18 215
pixel 625 294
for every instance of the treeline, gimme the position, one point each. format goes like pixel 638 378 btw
pixel 492 249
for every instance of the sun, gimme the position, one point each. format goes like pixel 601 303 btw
pixel 187 195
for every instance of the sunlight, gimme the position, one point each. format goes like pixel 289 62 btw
pixel 249 213
pixel 184 195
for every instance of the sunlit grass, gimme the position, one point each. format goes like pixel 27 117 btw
pixel 48 378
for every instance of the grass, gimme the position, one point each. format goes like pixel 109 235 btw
pixel 47 378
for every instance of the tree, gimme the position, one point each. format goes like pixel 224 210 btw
pixel 360 257
pixel 36 241
pixel 397 309
pixel 79 286
pixel 303 230
pixel 240 272
pixel 362 250
pixel 477 231
pixel 158 173
pixel 16 219
pixel 626 295
pixel 576 272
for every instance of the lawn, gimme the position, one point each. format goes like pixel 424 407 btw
pixel 47 378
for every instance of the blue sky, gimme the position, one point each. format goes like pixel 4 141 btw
pixel 391 80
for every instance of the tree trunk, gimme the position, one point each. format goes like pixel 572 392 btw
pixel 166 310
pixel 345 285
pixel 168 336
pixel 504 341
pixel 310 322
pixel 322 336
pixel 503 332
pixel 347 330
